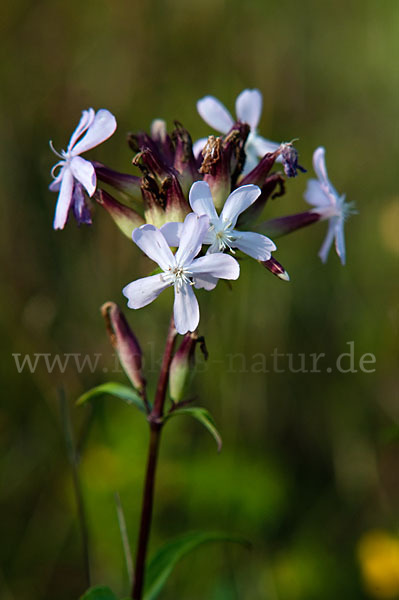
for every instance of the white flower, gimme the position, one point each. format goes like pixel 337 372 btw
pixel 222 233
pixel 182 270
pixel 74 170
pixel 248 110
pixel 329 205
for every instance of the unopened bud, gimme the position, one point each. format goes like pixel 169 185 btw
pixel 175 204
pixel 128 185
pixel 223 161
pixel 184 161
pixel 282 225
pixel 216 169
pixel 182 366
pixel 274 267
pixel 126 218
pixel 253 212
pixel 259 173
pixel 125 343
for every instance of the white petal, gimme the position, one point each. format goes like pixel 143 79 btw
pixel 254 244
pixel 186 310
pixel 86 120
pixel 201 200
pixel 340 241
pixel 325 249
pixel 262 146
pixel 84 172
pixel 238 201
pixel 143 291
pixel 198 146
pixel 319 165
pixel 64 200
pixel 192 236
pixel 315 195
pixel 215 114
pixel 249 107
pixel 172 233
pixel 206 282
pixel 102 127
pixel 151 241
pixel 222 266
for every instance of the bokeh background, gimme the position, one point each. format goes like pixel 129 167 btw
pixel 309 469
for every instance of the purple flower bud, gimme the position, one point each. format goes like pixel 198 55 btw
pixel 176 205
pixel 254 211
pixel 129 185
pixel 162 140
pixel 126 218
pixel 150 162
pixel 258 175
pixel 125 343
pixel 289 156
pixel 223 160
pixel 276 268
pixel 184 161
pixel 182 366
pixel 283 225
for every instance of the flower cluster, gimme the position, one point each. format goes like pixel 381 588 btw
pixel 202 198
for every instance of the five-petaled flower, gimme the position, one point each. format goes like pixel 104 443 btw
pixel 75 172
pixel 248 110
pixel 181 270
pixel 222 233
pixel 329 205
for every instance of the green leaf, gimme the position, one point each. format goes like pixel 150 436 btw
pixel 125 393
pixel 98 592
pixel 203 416
pixel 165 559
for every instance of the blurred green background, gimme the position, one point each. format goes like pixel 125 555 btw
pixel 309 469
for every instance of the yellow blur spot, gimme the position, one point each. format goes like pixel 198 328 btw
pixel 389 226
pixel 378 555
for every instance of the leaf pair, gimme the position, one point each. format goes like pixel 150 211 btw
pixel 133 398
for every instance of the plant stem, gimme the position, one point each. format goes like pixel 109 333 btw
pixel 155 421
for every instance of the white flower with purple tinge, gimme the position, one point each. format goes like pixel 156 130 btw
pixel 321 194
pixel 222 234
pixel 248 110
pixel 75 172
pixel 181 270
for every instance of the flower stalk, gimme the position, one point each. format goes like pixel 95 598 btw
pixel 155 421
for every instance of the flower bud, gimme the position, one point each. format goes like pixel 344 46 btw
pixel 176 205
pixel 181 367
pixel 128 185
pixel 162 140
pixel 223 160
pixel 216 170
pixel 258 175
pixel 125 343
pixel 184 161
pixel 283 225
pixel 274 267
pixel 150 162
pixel 126 218
pixel 153 208
pixel 253 212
